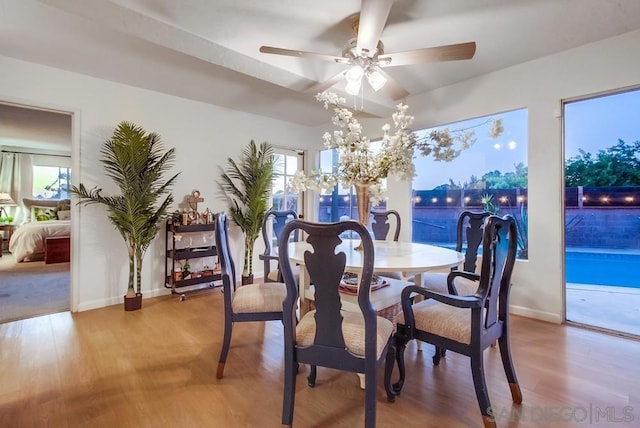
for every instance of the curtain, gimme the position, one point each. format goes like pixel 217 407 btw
pixel 16 178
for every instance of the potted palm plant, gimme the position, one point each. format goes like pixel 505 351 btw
pixel 246 186
pixel 136 162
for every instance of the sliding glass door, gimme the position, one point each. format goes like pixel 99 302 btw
pixel 602 211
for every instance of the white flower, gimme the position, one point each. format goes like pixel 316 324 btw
pixel 358 163
pixel 496 128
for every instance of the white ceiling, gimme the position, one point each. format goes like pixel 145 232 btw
pixel 31 130
pixel 207 50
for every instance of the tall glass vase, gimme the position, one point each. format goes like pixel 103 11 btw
pixel 364 205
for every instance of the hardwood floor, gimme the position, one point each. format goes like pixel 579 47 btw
pixel 156 368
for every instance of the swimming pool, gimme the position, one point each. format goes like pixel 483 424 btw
pixel 621 270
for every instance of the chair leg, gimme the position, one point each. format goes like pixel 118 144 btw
pixel 226 343
pixel 401 344
pixel 438 354
pixel 388 371
pixel 370 395
pixel 311 379
pixel 288 401
pixel 509 370
pixel 477 371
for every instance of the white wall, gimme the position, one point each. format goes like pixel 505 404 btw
pixel 540 86
pixel 204 137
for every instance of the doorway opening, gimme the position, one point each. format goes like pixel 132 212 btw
pixel 35 222
pixel 602 211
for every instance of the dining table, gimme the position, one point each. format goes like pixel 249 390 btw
pixel 410 258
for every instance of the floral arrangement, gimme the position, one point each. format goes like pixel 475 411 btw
pixel 359 164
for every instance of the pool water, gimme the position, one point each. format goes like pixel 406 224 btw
pixel 621 270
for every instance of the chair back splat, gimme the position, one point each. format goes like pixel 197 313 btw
pixel 328 337
pixel 273 223
pixel 381 226
pixel 469 231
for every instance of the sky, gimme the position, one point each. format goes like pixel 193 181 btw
pixel 597 123
pixel 487 154
pixel 593 124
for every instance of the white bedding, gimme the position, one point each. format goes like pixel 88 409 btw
pixel 28 239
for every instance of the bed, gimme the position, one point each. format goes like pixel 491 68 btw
pixel 28 240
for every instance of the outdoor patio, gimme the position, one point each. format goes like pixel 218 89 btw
pixel 607 307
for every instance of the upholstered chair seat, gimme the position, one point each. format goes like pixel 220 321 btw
pixel 352 330
pixel 442 320
pixel 252 298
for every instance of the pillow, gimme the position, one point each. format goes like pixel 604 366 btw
pixel 43 213
pixel 53 204
pixel 64 205
pixel 64 214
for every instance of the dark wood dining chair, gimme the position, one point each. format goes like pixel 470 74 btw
pixel 469 230
pixel 272 225
pixel 381 224
pixel 328 337
pixel 251 302
pixel 468 324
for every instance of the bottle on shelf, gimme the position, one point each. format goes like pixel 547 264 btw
pixel 186 273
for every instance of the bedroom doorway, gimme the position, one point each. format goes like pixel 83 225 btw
pixel 35 169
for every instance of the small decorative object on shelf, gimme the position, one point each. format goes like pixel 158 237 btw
pixel 191 215
pixel 186 273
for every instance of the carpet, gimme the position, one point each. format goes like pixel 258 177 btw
pixel 31 289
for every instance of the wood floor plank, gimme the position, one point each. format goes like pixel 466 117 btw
pixel 156 368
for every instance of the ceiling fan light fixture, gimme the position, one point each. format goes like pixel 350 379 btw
pixel 376 79
pixel 353 87
pixel 354 74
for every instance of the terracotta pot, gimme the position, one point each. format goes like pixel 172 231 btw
pixel 133 303
pixel 247 280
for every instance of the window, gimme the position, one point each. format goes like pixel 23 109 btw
pixel 287 165
pixel 51 182
pixel 491 174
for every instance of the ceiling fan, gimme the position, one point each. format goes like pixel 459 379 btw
pixel 366 58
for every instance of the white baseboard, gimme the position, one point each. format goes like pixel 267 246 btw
pixel 99 303
pixel 109 301
pixel 535 314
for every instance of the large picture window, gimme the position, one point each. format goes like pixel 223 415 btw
pixel 490 175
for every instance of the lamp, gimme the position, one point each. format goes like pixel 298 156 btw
pixel 364 68
pixel 376 79
pixel 354 79
pixel 5 201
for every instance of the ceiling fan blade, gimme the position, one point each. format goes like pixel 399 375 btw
pixel 436 54
pixel 323 86
pixel 373 17
pixel 393 88
pixel 301 54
